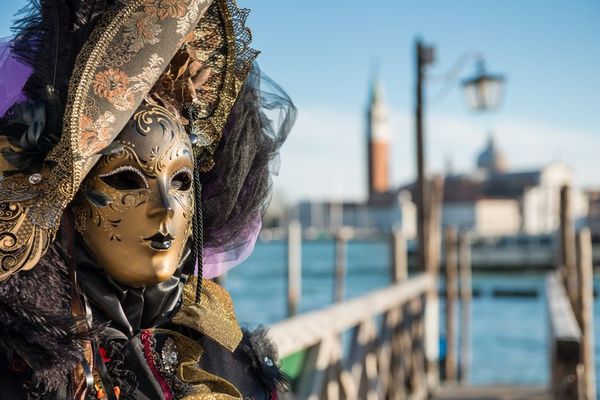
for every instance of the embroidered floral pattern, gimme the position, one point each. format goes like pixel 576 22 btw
pixel 95 135
pixel 120 90
pixel 166 8
pixel 144 29
pixel 110 83
pixel 143 81
pixel 185 24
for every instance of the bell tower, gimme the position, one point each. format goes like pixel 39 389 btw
pixel 378 141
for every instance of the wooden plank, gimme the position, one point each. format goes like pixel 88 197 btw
pixel 314 376
pixel 384 353
pixel 563 324
pixel 332 386
pixel 584 311
pixel 565 341
pixel 459 392
pixel 308 329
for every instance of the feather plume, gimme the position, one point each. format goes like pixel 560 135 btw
pixel 43 41
pixel 49 35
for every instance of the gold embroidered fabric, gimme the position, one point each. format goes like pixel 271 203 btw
pixel 206 386
pixel 209 71
pixel 214 316
pixel 127 53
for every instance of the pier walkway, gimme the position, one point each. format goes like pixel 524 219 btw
pixel 385 344
pixel 460 392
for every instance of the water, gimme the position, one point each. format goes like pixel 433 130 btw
pixel 509 336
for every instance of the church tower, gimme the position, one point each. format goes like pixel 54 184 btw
pixel 378 141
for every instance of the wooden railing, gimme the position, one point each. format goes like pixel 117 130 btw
pixel 565 341
pixel 570 297
pixel 389 352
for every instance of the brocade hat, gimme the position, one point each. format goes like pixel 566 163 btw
pixel 89 76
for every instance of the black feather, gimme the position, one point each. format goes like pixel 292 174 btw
pixel 42 40
pixel 37 324
pixel 265 360
pixel 49 35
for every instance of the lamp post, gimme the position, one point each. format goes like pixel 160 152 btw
pixel 424 57
pixel 483 92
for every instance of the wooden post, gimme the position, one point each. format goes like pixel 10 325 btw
pixel 567 244
pixel 341 239
pixel 294 282
pixel 451 295
pixel 584 310
pixel 435 220
pixel 399 257
pixel 433 248
pixel 465 306
pixel 565 342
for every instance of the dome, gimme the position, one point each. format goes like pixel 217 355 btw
pixel 491 159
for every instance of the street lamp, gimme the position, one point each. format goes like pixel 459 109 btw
pixel 483 91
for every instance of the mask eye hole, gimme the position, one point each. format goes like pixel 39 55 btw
pixel 182 180
pixel 125 178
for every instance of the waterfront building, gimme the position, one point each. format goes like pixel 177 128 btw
pixel 494 200
pixel 364 217
pixel 491 200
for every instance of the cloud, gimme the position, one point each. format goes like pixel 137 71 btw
pixel 325 157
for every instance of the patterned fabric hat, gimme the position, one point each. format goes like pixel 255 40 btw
pixel 190 54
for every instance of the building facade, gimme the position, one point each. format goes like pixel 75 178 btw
pixel 330 216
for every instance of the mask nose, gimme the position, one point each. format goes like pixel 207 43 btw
pixel 163 204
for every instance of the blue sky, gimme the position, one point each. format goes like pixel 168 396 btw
pixel 322 53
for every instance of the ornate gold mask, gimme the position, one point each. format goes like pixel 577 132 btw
pixel 135 207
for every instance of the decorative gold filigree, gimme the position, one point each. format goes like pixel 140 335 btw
pixel 22 243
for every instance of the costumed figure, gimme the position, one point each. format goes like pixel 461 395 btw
pixel 136 157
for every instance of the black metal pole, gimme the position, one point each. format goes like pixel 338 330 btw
pixel 424 56
pixel 420 189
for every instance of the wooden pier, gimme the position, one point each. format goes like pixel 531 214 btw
pixel 385 344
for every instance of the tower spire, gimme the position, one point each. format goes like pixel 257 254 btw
pixel 378 138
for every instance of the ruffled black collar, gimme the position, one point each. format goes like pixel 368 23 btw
pixel 125 308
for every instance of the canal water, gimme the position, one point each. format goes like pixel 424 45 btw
pixel 509 335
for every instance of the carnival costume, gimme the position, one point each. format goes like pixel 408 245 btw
pixel 136 153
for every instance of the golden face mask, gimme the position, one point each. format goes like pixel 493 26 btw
pixel 135 208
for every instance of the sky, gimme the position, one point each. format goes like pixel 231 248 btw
pixel 325 53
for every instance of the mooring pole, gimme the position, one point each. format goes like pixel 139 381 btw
pixel 465 306
pixel 399 256
pixel 451 295
pixel 340 265
pixel 584 310
pixel 294 261
pixel 567 245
